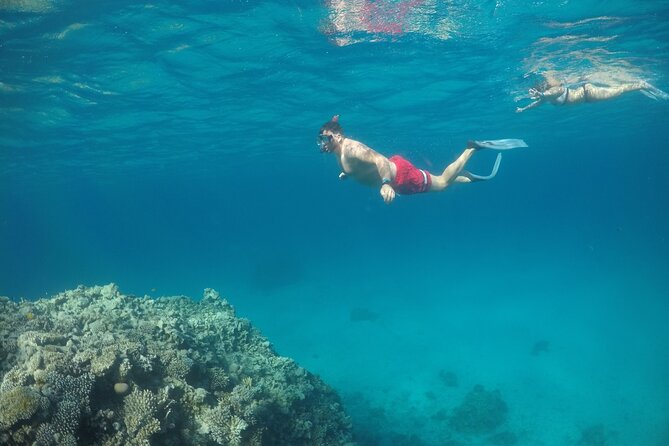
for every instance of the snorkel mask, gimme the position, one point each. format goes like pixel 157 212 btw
pixel 324 142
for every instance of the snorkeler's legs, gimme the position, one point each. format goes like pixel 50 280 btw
pixel 451 173
pixel 596 93
pixel 653 92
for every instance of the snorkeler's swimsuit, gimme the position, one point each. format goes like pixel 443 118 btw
pixel 409 179
pixel 563 98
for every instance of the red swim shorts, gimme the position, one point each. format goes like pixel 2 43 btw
pixel 409 179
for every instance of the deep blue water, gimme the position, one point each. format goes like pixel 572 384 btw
pixel 170 147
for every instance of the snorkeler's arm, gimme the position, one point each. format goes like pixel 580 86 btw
pixel 383 166
pixel 527 107
pixel 383 169
pixel 385 173
pixel 541 96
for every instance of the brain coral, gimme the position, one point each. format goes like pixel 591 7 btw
pixel 196 373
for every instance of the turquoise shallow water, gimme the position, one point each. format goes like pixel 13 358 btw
pixel 170 147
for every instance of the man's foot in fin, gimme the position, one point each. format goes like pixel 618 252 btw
pixel 472 177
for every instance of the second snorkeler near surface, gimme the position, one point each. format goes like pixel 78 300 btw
pixel 557 93
pixel 396 175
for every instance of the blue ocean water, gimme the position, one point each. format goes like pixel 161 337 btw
pixel 170 147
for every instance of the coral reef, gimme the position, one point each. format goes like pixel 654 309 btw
pixel 481 412
pixel 94 366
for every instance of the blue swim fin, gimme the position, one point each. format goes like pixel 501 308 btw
pixel 475 177
pixel 497 144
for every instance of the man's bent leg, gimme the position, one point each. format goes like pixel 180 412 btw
pixel 452 171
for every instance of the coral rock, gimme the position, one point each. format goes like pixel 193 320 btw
pixel 198 374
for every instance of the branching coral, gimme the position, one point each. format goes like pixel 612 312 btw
pixel 16 377
pixel 139 412
pixel 178 364
pixel 218 379
pixel 75 388
pixel 223 426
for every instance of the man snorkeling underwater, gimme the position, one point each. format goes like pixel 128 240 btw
pixel 396 175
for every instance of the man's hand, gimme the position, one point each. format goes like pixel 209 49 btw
pixel 388 193
pixel 342 176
